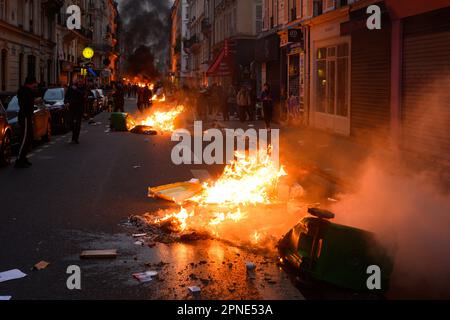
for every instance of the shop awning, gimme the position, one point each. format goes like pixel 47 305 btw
pixel 223 65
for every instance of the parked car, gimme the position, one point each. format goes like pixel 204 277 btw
pixel 5 97
pixel 5 137
pixel 103 97
pixel 93 104
pixel 54 101
pixel 324 251
pixel 42 121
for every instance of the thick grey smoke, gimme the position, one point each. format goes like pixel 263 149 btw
pixel 146 23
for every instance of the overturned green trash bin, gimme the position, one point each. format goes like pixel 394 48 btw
pixel 337 254
pixel 121 121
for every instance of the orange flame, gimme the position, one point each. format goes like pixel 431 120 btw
pixel 163 120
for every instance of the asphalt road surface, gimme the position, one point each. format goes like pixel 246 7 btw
pixel 78 197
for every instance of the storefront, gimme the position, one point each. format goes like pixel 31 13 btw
pixel 296 77
pixel 425 99
pixel 330 65
pixel 267 54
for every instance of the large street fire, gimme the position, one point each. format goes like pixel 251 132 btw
pixel 237 206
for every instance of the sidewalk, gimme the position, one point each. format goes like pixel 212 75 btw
pixel 332 157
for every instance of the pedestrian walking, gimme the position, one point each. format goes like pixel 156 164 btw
pixel 243 102
pixel 76 98
pixel 267 101
pixel 26 96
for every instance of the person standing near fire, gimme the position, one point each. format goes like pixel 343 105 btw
pixel 26 96
pixel 76 98
pixel 267 101
pixel 119 98
pixel 147 96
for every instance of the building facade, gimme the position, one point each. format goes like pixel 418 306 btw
pixel 179 32
pixel 99 30
pixel 27 42
pixel 220 45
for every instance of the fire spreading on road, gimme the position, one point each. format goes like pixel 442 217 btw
pixel 238 207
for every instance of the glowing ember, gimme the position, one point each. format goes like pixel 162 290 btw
pixel 180 217
pixel 163 120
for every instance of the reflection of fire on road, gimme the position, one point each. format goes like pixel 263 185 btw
pixel 241 205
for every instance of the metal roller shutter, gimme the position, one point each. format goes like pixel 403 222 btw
pixel 370 83
pixel 426 84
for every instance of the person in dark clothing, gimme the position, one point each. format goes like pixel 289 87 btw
pixel 147 96
pixel 26 96
pixel 119 99
pixel 76 98
pixel 266 98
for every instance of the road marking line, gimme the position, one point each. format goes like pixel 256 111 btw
pixel 39 150
pixel 46 146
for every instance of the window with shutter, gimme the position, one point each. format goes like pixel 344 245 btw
pixel 328 5
pixel 258 12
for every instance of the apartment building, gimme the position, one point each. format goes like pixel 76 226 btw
pixel 99 29
pixel 27 42
pixel 179 32
pixel 381 85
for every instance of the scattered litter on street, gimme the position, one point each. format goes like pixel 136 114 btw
pixel 176 192
pixel 332 200
pixel 194 289
pixel 41 265
pixel 139 243
pixel 142 129
pixel 11 275
pixel 137 167
pixel 145 276
pixel 138 235
pixel 99 254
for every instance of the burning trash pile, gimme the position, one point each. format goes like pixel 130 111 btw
pixel 242 206
pixel 161 121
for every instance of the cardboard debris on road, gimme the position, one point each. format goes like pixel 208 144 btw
pixel 41 265
pixel 99 254
pixel 11 275
pixel 145 276
pixel 194 289
pixel 138 235
pixel 176 192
